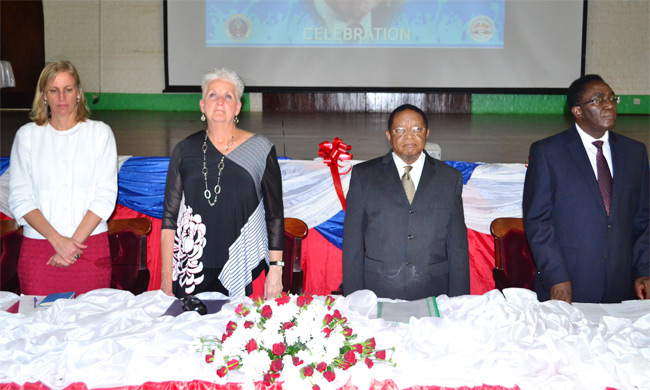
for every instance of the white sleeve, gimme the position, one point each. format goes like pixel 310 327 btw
pixel 103 202
pixel 21 190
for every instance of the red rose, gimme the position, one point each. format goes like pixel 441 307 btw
pixel 329 375
pixel 267 312
pixel 304 300
pixel 315 387
pixel 251 346
pixel 371 343
pixel 248 324
pixel 327 332
pixel 337 314
pixel 209 358
pixel 347 332
pixel 242 310
pixel 381 355
pixel 225 336
pixel 328 318
pixel 329 301
pixel 277 365
pixel 308 371
pixel 267 379
pixel 288 325
pixel 297 361
pixel 279 348
pixel 350 357
pixel 284 298
pixel 231 327
pixel 369 362
pixel 345 365
pixel 358 348
pixel 233 364
pixel 321 366
pixel 222 371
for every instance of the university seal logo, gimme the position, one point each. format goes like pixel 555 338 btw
pixel 238 28
pixel 481 28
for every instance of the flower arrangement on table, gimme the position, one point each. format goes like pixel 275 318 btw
pixel 288 339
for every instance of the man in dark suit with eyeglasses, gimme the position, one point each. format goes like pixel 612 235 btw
pixel 404 234
pixel 586 205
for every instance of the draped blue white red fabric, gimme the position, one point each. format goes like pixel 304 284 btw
pixel 490 191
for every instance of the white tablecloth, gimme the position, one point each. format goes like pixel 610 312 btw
pixel 111 338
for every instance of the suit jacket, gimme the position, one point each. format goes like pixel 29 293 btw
pixel 401 250
pixel 568 230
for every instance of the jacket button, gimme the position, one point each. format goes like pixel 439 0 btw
pixel 410 236
pixel 410 211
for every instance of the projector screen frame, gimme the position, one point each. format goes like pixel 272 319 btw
pixel 357 89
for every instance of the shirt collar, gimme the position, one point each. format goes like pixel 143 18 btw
pixel 588 140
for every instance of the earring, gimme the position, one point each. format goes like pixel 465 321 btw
pixel 78 99
pixel 236 120
pixel 45 102
pixel 203 117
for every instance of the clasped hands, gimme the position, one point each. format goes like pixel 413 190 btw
pixel 67 252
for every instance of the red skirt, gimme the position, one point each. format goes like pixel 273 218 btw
pixel 91 271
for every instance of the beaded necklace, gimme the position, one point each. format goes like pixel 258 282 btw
pixel 217 188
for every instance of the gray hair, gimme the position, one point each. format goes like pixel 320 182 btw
pixel 226 75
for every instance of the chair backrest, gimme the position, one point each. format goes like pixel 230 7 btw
pixel 11 238
pixel 294 231
pixel 127 239
pixel 514 265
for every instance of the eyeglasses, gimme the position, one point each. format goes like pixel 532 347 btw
pixel 600 100
pixel 414 130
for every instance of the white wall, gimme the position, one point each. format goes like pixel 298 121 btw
pixel 618 44
pixel 125 55
pixel 130 58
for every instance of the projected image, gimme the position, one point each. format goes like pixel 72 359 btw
pixel 355 23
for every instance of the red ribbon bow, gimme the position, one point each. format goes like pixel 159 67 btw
pixel 332 153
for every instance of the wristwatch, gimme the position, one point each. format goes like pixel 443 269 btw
pixel 280 263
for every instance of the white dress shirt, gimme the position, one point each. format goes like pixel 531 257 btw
pixel 63 174
pixel 415 173
pixel 591 149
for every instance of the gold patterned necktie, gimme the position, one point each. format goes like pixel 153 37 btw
pixel 409 187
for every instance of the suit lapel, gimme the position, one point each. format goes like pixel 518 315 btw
pixel 577 151
pixel 617 168
pixel 426 178
pixel 392 177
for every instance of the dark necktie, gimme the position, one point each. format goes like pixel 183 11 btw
pixel 409 187
pixel 604 175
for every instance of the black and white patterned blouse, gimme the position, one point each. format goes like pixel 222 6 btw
pixel 223 247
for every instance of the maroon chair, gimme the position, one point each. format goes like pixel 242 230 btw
pixel 127 239
pixel 294 231
pixel 514 265
pixel 11 237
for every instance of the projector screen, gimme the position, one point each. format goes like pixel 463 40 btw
pixel 376 45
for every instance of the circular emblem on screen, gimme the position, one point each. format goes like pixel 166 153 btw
pixel 238 27
pixel 481 28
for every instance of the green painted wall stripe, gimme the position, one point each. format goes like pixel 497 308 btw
pixel 481 103
pixel 518 104
pixel 634 104
pixel 546 104
pixel 151 102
